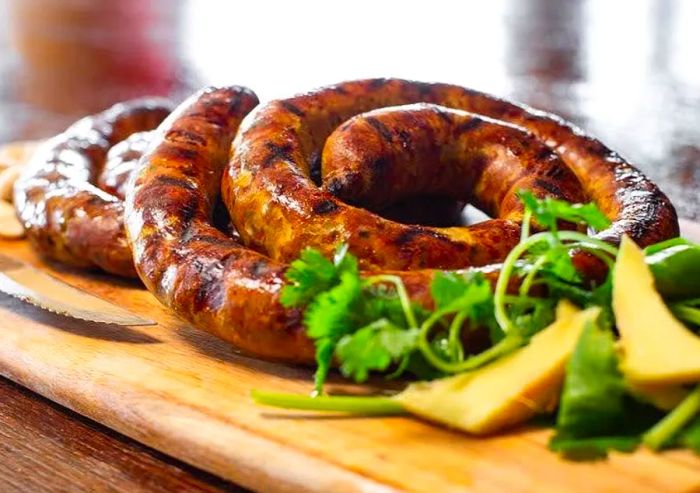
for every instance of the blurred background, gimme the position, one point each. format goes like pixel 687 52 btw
pixel 627 71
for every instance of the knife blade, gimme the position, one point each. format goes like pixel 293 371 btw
pixel 29 284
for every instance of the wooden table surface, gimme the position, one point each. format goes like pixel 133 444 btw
pixel 626 70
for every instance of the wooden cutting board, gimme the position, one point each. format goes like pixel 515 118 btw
pixel 187 394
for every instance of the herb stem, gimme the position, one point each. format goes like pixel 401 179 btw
pixel 525 230
pixel 582 241
pixel 665 430
pixel 402 294
pixel 502 347
pixel 524 300
pixel 530 277
pixel 504 278
pixel 686 313
pixel 423 342
pixel 365 405
pixel 453 340
pixel 587 241
pixel 605 257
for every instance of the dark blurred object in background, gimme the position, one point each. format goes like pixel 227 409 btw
pixel 627 71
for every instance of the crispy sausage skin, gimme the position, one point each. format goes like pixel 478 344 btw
pixel 222 285
pixel 444 152
pixel 207 277
pixel 66 216
pixel 121 161
pixel 277 208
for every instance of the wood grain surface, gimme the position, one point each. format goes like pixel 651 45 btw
pixel 626 71
pixel 186 394
pixel 44 446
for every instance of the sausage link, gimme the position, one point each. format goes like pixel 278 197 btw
pixel 383 156
pixel 224 286
pixel 121 161
pixel 67 217
pixel 207 277
pixel 277 208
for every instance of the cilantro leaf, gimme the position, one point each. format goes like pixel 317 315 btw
pixel 374 347
pixel 328 317
pixel 690 436
pixel 533 314
pixel 558 263
pixel 548 211
pixel 309 275
pixel 596 413
pixel 470 298
pixel 453 292
pixel 330 313
pixel 447 287
pixel 331 290
pixel 380 301
pixel 594 447
pixel 592 401
pixel 421 368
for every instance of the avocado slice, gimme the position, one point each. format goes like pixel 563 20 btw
pixel 508 391
pixel 656 347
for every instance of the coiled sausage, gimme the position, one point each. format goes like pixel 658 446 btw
pixel 66 217
pixel 231 286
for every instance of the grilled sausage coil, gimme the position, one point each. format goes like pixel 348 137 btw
pixel 209 278
pixel 67 217
pixel 270 194
pixel 481 149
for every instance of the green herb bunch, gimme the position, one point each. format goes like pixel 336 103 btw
pixel 369 324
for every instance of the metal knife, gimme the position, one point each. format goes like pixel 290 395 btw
pixel 29 284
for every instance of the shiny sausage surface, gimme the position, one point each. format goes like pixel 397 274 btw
pixel 66 216
pixel 207 277
pixel 231 286
pixel 121 161
pixel 277 208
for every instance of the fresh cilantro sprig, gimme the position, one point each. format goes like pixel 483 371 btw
pixel 545 257
pixel 548 212
pixel 312 274
pixel 331 292
pixel 370 325
pixel 375 347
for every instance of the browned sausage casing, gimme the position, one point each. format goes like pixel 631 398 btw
pixel 210 279
pixel 278 209
pixel 66 217
pixel 224 286
pixel 121 161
